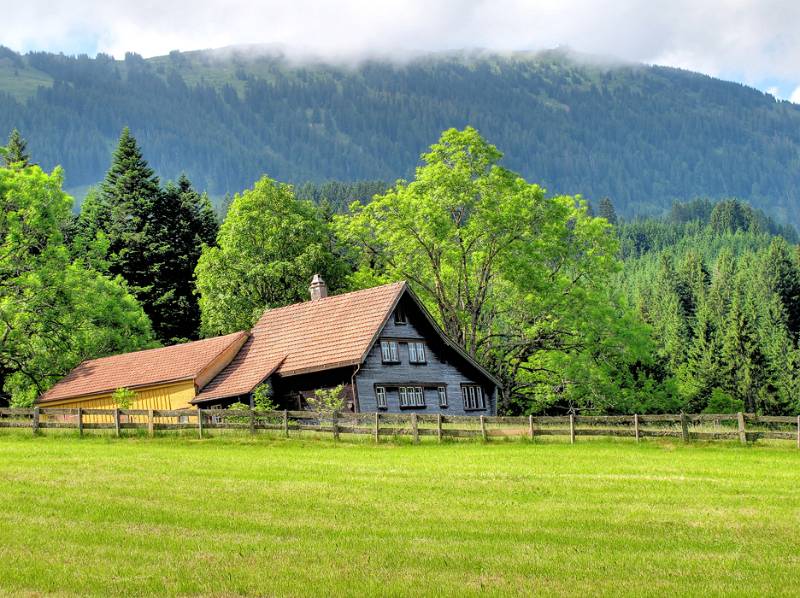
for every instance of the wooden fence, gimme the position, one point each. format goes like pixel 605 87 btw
pixel 739 426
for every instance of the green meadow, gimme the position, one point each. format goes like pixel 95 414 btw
pixel 263 516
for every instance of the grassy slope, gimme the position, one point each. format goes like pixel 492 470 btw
pixel 21 83
pixel 228 517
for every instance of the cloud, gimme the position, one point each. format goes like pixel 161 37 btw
pixel 750 40
pixel 795 95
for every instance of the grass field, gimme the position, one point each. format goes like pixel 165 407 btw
pixel 228 517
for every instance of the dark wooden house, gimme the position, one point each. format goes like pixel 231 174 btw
pixel 380 343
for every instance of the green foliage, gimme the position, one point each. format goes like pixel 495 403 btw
pixel 153 238
pixel 722 295
pixel 54 312
pixel 268 249
pixel 262 398
pixel 15 153
pixel 518 279
pixel 326 400
pixel 638 134
pixel 123 398
pixel 721 402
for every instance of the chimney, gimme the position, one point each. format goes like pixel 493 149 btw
pixel 318 288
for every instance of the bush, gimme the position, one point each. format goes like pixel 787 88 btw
pixel 722 402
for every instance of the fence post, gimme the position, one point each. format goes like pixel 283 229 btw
pixel 286 423
pixel 742 433
pixel 377 429
pixel 798 431
pixel 252 421
pixel 483 428
pixel 572 428
pixel 150 423
pixel 199 422
pixel 116 421
pixel 335 425
pixel 414 428
pixel 35 423
pixel 530 426
pixel 439 426
pixel 684 427
pixel 636 426
pixel 80 421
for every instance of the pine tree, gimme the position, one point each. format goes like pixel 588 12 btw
pixel 17 151
pixel 700 374
pixel 606 210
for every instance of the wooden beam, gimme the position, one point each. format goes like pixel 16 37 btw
pixel 439 426
pixel 80 421
pixel 116 422
pixel 199 422
pixel 636 426
pixel 571 428
pixel 414 428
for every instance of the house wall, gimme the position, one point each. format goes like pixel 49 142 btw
pixel 166 397
pixel 290 392
pixel 443 367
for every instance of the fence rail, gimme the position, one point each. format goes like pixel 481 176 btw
pixel 744 427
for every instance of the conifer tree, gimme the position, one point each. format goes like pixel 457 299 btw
pixel 182 223
pixel 16 153
pixel 606 210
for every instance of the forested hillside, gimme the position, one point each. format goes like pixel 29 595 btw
pixel 643 136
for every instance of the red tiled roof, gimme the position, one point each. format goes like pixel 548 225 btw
pixel 307 337
pixel 141 368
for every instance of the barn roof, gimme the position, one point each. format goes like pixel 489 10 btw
pixel 307 337
pixel 142 368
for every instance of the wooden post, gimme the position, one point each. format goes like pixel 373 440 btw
pixel 798 431
pixel 80 421
pixel 571 428
pixel 286 423
pixel 377 429
pixel 150 423
pixel 35 423
pixel 439 426
pixel 414 428
pixel 116 421
pixel 636 426
pixel 530 426
pixel 335 425
pixel 199 422
pixel 483 428
pixel 684 427
pixel 742 433
pixel 252 421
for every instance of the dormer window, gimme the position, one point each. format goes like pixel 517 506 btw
pixel 400 316
pixel 389 352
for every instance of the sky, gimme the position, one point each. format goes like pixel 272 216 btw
pixel 751 41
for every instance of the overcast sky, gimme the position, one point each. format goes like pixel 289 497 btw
pixel 753 41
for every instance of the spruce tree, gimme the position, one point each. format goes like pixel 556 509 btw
pixel 606 210
pixel 16 153
pixel 183 221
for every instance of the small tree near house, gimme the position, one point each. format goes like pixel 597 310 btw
pixel 123 398
pixel 327 400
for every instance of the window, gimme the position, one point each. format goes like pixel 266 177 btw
pixel 400 316
pixel 380 396
pixel 389 352
pixel 473 398
pixel 442 396
pixel 411 396
pixel 416 353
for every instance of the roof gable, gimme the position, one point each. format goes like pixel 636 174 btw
pixel 142 368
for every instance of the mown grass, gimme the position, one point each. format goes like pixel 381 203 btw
pixel 236 516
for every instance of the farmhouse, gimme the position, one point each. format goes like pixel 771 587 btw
pixel 381 344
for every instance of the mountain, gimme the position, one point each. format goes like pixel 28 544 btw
pixel 644 136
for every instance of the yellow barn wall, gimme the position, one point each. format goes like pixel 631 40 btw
pixel 166 397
